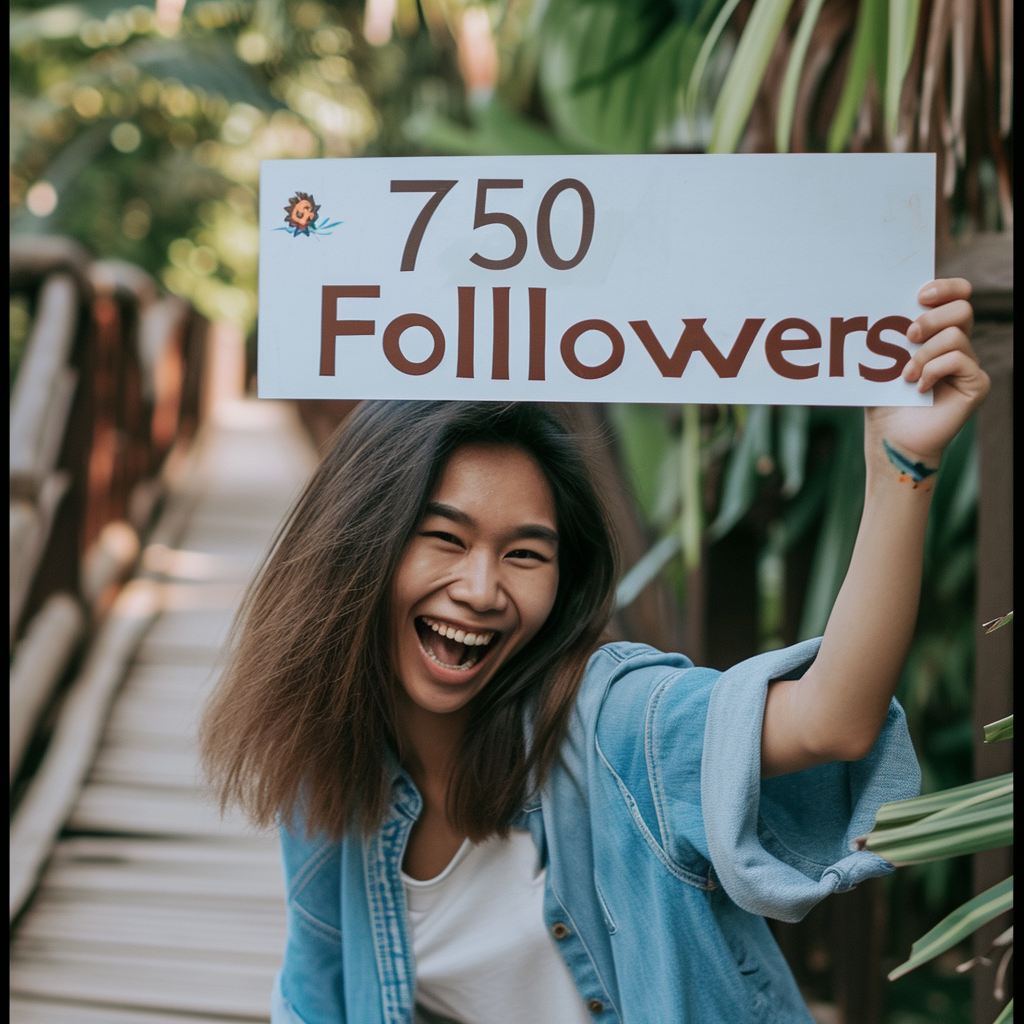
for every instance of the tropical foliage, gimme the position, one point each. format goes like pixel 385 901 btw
pixel 950 823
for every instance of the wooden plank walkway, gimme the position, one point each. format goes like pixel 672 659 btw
pixel 152 909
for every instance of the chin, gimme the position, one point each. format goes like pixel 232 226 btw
pixel 440 699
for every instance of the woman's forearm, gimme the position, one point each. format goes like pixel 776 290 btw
pixel 837 708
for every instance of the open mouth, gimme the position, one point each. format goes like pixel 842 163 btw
pixel 452 647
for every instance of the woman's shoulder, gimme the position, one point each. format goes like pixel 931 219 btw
pixel 629 656
pixel 628 673
pixel 623 658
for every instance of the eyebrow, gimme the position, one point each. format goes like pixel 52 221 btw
pixel 528 531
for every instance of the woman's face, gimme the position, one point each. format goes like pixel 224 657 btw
pixel 478 579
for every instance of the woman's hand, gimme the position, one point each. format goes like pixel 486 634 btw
pixel 945 362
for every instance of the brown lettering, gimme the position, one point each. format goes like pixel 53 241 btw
pixel 544 243
pixel 332 328
pixel 538 332
pixel 695 339
pixel 392 349
pixel 776 343
pixel 499 358
pixel 838 331
pixel 610 365
pixel 467 301
pixel 899 355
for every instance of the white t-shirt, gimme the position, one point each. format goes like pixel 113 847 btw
pixel 483 953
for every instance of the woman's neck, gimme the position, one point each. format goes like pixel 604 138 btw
pixel 430 742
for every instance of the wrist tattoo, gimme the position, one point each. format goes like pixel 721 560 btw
pixel 915 472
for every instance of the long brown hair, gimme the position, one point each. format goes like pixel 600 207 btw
pixel 304 711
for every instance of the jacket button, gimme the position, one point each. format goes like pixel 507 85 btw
pixel 595 1006
pixel 559 930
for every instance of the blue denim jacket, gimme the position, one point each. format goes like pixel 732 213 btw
pixel 664 851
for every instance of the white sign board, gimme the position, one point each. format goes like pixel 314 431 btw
pixel 673 278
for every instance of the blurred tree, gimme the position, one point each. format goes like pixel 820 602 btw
pixel 140 131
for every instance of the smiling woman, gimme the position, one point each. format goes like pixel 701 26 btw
pixel 489 818
pixel 478 579
pixel 417 510
pixel 440 585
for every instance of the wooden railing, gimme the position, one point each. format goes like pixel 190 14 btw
pixel 105 402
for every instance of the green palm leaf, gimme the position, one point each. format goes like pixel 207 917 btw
pixel 958 925
pixel 899 812
pixel 839 530
pixel 902 30
pixel 868 44
pixel 787 98
pixel 1001 730
pixel 1006 1017
pixel 979 820
pixel 704 54
pixel 609 72
pixel 741 476
pixel 732 109
pixel 995 624
pixel 652 562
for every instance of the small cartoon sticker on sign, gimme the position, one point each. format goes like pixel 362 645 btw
pixel 301 216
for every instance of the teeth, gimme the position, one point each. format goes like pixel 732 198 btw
pixel 460 635
pixel 471 659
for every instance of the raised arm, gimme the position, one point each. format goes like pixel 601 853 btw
pixel 835 711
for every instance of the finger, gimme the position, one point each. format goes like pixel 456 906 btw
pixel 958 370
pixel 950 339
pixel 944 289
pixel 957 313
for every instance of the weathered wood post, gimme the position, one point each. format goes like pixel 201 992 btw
pixel 990 268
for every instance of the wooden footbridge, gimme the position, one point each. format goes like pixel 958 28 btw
pixel 149 907
pixel 144 491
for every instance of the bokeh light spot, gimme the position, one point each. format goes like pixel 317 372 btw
pixel 202 260
pixel 93 33
pixel 125 137
pixel 137 219
pixel 328 41
pixel 179 251
pixel 117 28
pixel 207 153
pixel 177 100
pixel 240 124
pixel 41 199
pixel 87 101
pixel 182 135
pixel 307 14
pixel 252 47
pixel 379 17
pixel 141 19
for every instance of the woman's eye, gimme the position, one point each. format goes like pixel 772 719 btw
pixel 521 553
pixel 448 538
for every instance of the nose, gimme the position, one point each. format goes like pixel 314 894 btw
pixel 478 585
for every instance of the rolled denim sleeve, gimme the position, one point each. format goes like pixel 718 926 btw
pixel 778 846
